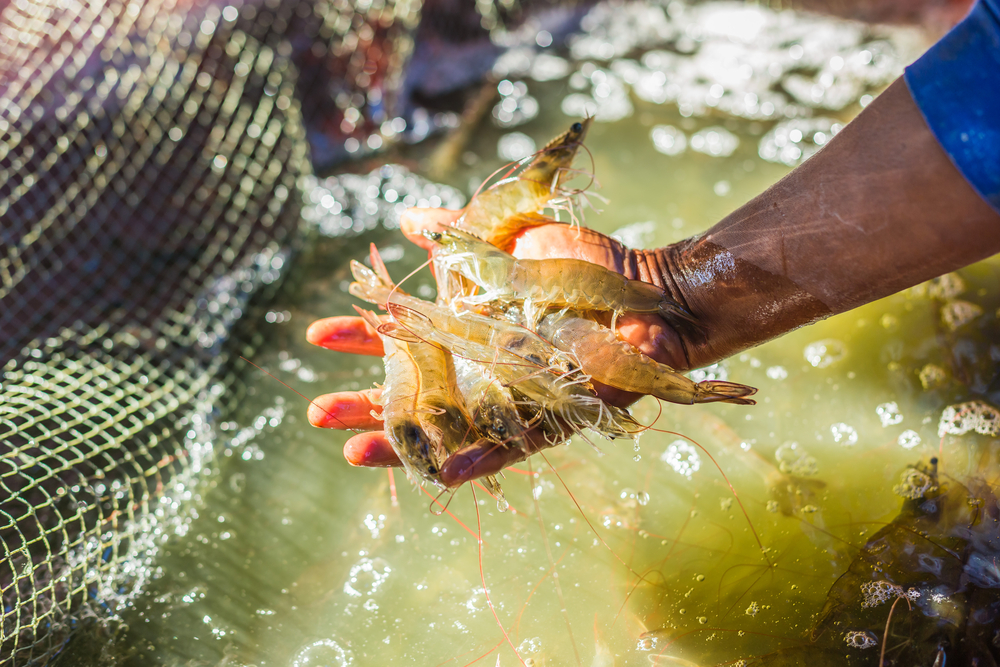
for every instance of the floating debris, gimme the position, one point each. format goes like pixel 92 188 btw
pixel 914 484
pixel 956 314
pixel 932 376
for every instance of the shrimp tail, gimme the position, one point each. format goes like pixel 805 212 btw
pixel 719 391
pixel 379 266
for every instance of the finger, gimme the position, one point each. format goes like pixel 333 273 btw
pixel 370 450
pixel 345 334
pixel 346 410
pixel 486 458
pixel 415 220
pixel 652 336
pixel 559 240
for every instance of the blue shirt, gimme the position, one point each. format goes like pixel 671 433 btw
pixel 956 84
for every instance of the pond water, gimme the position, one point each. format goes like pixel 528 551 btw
pixel 665 553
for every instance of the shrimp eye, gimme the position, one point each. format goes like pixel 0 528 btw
pixel 577 127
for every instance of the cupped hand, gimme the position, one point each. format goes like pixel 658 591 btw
pixel 356 410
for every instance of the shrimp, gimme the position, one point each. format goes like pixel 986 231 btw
pixel 439 409
pixel 544 283
pixel 565 399
pixel 401 406
pixel 617 364
pixel 491 405
pixel 487 332
pixel 507 207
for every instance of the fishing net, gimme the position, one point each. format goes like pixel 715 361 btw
pixel 151 161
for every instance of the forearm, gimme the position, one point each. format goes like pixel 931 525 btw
pixel 877 210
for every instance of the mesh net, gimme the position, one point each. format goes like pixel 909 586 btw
pixel 152 155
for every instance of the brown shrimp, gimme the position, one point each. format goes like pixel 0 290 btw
pixel 402 406
pixel 545 283
pixel 565 398
pixel 617 364
pixel 498 213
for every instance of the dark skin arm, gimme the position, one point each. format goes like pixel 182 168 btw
pixel 880 208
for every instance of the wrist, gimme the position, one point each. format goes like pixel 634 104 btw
pixel 735 304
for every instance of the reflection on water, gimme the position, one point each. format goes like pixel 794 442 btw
pixel 864 480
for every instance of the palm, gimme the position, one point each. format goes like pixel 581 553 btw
pixel 353 410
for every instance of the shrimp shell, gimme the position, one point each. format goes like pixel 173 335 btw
pixel 565 399
pixel 617 364
pixel 546 283
pixel 401 406
pixel 508 206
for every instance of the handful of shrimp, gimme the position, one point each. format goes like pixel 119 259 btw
pixel 511 346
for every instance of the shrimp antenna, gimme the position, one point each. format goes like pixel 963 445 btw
pixel 763 549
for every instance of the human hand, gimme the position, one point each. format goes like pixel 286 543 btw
pixel 649 333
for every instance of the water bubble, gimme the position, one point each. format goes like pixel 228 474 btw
pixel 370 605
pixel 529 646
pixel 668 140
pixel 861 639
pixel 790 142
pixel 908 439
pixel 366 576
pixel 637 235
pixel 515 146
pixel 682 457
pixel 502 504
pixel 752 609
pixel 716 141
pixel 776 372
pixel 793 460
pixel 323 653
pixel 824 353
pixel 646 642
pixel 888 413
pixel 547 67
pixel 713 372
pixel 975 416
pixel 844 434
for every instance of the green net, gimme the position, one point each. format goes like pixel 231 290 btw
pixel 152 156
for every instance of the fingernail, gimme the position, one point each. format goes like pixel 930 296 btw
pixel 457 470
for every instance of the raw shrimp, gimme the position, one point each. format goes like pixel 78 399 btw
pixel 487 332
pixel 438 408
pixel 401 408
pixel 508 206
pixel 615 363
pixel 491 405
pixel 543 283
pixel 562 396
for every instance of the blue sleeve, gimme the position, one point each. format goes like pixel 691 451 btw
pixel 956 84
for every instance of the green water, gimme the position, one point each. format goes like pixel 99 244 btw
pixel 610 558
